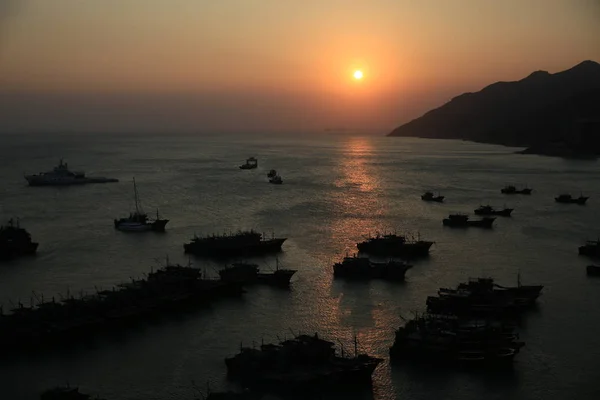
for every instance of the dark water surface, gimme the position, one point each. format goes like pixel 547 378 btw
pixel 336 189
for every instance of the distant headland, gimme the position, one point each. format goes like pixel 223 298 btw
pixel 550 114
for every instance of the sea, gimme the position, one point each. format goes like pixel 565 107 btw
pixel 337 189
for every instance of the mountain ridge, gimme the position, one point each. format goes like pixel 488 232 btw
pixel 540 108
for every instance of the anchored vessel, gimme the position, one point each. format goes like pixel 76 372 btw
pixel 591 248
pixel 234 396
pixel 242 243
pixel 429 196
pixel 251 163
pixel 247 273
pixel 462 221
pixel 299 364
pixel 568 199
pixel 364 269
pixel 138 221
pixel 65 393
pixel 456 340
pixel 513 190
pixel 482 297
pixel 275 178
pixel 593 270
pixel 390 245
pixel 489 210
pixel 61 175
pixel 172 287
pixel 15 241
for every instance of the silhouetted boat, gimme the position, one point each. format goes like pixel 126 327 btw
pixel 139 221
pixel 456 340
pixel 242 243
pixel 276 180
pixel 247 273
pixel 523 294
pixel 363 269
pixel 429 196
pixel 168 289
pixel 65 393
pixel 15 241
pixel 250 163
pixel 591 248
pixel 462 221
pixel 301 364
pixel 593 270
pixel 568 199
pixel 248 395
pixel 513 190
pixel 489 210
pixel 392 245
pixel 61 176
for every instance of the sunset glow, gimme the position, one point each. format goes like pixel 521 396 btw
pixel 376 65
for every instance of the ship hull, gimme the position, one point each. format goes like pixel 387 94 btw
pixel 501 357
pixel 502 213
pixel 384 271
pixel 439 199
pixel 523 191
pixel 593 270
pixel 11 252
pixel 37 181
pixel 483 223
pixel 580 201
pixel 589 251
pixel 418 249
pixel 128 226
pixel 227 251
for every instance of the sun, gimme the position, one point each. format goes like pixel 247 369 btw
pixel 358 74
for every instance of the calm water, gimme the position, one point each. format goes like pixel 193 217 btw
pixel 336 189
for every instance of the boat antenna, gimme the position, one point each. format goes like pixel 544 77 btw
pixel 355 346
pixel 138 206
pixel 341 348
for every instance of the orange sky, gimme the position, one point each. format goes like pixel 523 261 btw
pixel 271 64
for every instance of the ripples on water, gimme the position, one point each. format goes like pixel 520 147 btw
pixel 336 189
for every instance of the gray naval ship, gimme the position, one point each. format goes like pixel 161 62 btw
pixel 61 175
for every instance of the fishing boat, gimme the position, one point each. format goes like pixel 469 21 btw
pixel 566 198
pixel 139 221
pixel 429 196
pixel 251 163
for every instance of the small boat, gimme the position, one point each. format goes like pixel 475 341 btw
pixel 276 180
pixel 15 241
pixel 62 176
pixel 65 393
pixel 510 189
pixel 251 163
pixel 591 248
pixel 392 245
pixel 240 244
pixel 247 273
pixel 462 221
pixel 489 210
pixel 593 270
pixel 429 196
pixel 566 198
pixel 138 221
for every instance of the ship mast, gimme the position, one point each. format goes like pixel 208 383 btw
pixel 138 207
